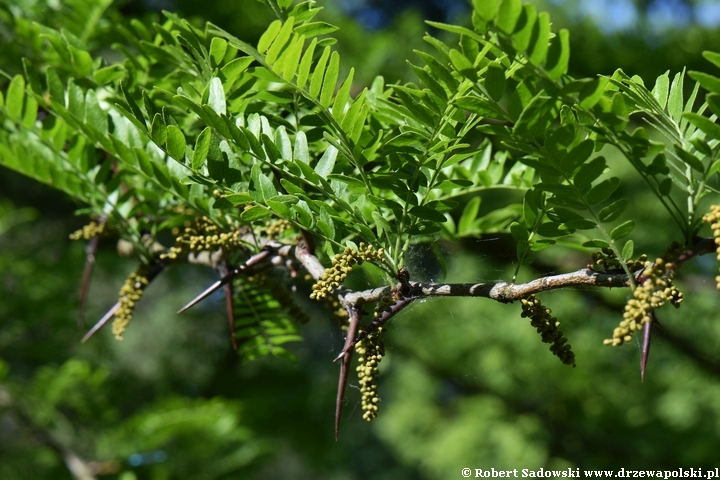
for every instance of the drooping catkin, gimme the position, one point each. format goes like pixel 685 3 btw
pixel 713 218
pixel 130 293
pixel 547 326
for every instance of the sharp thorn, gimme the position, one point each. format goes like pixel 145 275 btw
pixel 342 384
pixel 647 334
pixel 353 326
pixel 101 322
pixel 255 259
pixel 209 291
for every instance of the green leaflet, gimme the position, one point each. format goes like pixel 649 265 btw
pixel 306 64
pixel 216 96
pixel 280 41
pixel 202 146
pixel 495 81
pixel 628 250
pixel 326 163
pixel 602 190
pixel 675 98
pixel 592 92
pixel 541 33
pixel 330 80
pixel 341 98
pixel 661 89
pixel 467 219
pixel 589 172
pixel 256 212
pixel 508 15
pixel 262 325
pixel 326 224
pixel 622 230
pixel 558 55
pixel 14 97
pixel 709 82
pixel 289 61
pixel 316 80
pixel 486 9
pixel 262 184
pixel 522 35
pixel 134 108
pixel 269 35
pixel 175 143
pixel 689 158
pixel 218 48
pixel 612 211
pixel 427 213
pixel 710 128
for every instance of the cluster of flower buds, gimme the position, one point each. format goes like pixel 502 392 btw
pixel 342 265
pixel 201 236
pixel 275 228
pixel 713 218
pixel 130 293
pixel 547 326
pixel 656 289
pixel 370 350
pixel 606 259
pixel 92 229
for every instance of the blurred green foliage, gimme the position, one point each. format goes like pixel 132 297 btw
pixel 465 383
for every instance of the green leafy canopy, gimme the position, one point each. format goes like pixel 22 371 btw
pixel 196 122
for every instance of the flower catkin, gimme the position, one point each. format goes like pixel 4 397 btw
pixel 371 351
pixel 713 218
pixel 87 232
pixel 201 236
pixel 547 327
pixel 651 294
pixel 342 265
pixel 130 293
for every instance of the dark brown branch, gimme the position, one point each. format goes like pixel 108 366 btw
pixel 354 313
pixel 381 320
pixel 229 305
pixel 501 291
pixel 250 262
pixel 309 261
pixel 506 292
pixel 702 246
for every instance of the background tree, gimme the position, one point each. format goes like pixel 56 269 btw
pixel 438 415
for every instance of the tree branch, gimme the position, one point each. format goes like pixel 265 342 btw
pixel 504 292
pixel 354 313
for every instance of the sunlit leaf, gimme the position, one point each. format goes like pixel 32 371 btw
pixel 175 143
pixel 612 211
pixel 202 146
pixel 622 230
